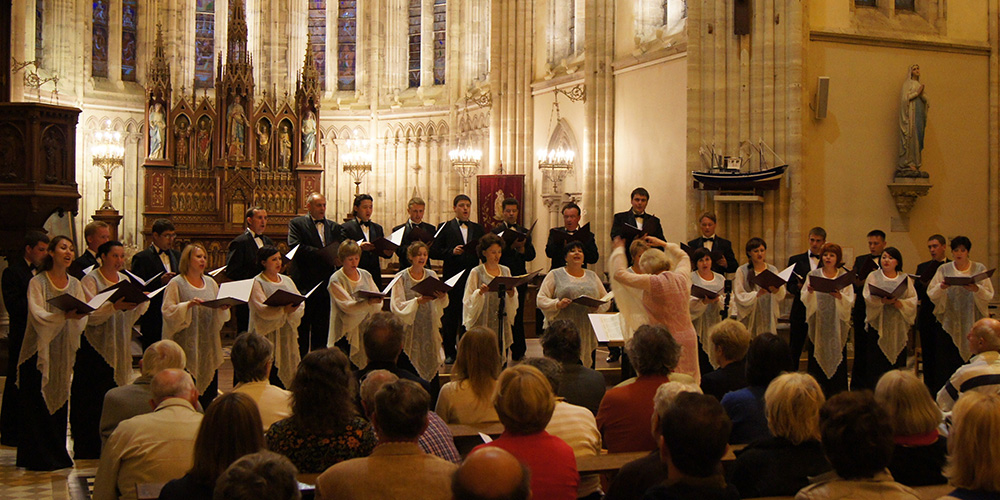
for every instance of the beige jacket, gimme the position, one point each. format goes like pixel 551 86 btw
pixel 830 486
pixel 393 471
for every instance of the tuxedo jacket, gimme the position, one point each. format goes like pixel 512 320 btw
pixel 926 270
pixel 516 261
pixel 241 260
pixel 308 268
pixel 554 249
pixel 446 241
pixel 404 261
pixel 84 261
pixel 723 246
pixel 650 224
pixel 15 296
pixel 859 311
pixel 145 265
pixel 795 284
pixel 369 259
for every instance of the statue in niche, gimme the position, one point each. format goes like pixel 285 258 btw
pixel 263 144
pixel 309 138
pixel 182 143
pixel 204 143
pixel 157 127
pixel 237 130
pixel 285 156
pixel 913 106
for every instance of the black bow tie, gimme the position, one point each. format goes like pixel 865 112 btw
pixel 318 221
pixel 367 224
pixel 464 222
pixel 32 267
pixel 639 216
pixel 813 256
pixel 162 252
pixel 255 235
pixel 712 239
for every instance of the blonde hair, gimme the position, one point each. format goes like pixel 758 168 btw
pixel 638 246
pixel 415 247
pixel 792 403
pixel 907 401
pixel 478 361
pixel 524 400
pixel 973 454
pixel 654 261
pixel 347 249
pixel 416 200
pixel 185 261
pixel 733 337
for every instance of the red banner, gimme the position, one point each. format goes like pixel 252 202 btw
pixel 493 189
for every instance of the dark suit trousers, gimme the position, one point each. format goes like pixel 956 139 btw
pixel 451 321
pixel 519 347
pixel 242 313
pixel 797 334
pixel 878 364
pixel 863 341
pixel 151 323
pixel 93 378
pixel 46 450
pixel 314 331
pixel 833 385
pixel 8 410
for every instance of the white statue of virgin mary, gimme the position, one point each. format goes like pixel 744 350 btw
pixel 913 106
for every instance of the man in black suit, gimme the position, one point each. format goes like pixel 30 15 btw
pixel 516 256
pixel 862 340
pixel 804 263
pixel 241 260
pixel 362 229
pixel 449 246
pixel 558 236
pixel 159 257
pixel 415 208
pixel 312 232
pixel 15 281
pixel 717 244
pixel 637 218
pixel 95 234
pixel 931 332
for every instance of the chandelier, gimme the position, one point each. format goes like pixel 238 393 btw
pixel 107 154
pixel 556 163
pixel 356 161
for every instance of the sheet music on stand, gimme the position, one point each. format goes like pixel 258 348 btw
pixel 608 327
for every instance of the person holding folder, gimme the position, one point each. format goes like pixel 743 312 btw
pixel 104 359
pixel 159 257
pixel 715 243
pixel 758 308
pixel 362 230
pixel 45 364
pixel 706 312
pixel 888 318
pixel 625 224
pixel 559 289
pixel 347 309
pixel 415 210
pixel 958 307
pixel 278 324
pixel 932 337
pixel 241 258
pixel 863 342
pixel 828 315
pixel 481 306
pixel 517 253
pixel 195 327
pixel 419 312
pixel 571 231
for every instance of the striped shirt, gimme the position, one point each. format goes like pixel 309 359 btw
pixel 577 427
pixel 981 374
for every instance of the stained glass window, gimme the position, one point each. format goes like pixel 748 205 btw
pixel 317 37
pixel 347 35
pixel 204 44
pixel 129 17
pixel 440 23
pixel 99 51
pixel 414 43
pixel 39 19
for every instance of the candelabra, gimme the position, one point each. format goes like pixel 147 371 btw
pixel 556 163
pixel 107 154
pixel 357 161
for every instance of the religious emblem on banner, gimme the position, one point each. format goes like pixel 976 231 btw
pixel 492 190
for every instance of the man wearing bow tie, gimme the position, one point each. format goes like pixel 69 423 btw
pixel 241 260
pixel 637 218
pixel 415 209
pixel 311 233
pixel 803 262
pixel 363 230
pixel 555 245
pixel 95 234
pixel 859 314
pixel 516 257
pixel 449 246
pixel 715 243
pixel 160 257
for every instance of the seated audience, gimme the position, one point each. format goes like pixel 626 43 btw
pixel 324 427
pixel 382 335
pixel 982 371
pixel 397 467
pixel 578 385
pixel 436 440
pixel 467 398
pixel 973 451
pixel 258 476
pixel 252 359
pixel 730 341
pixel 767 357
pixel 231 428
pixel 491 474
pixel 782 465
pixel 524 403
pixel 626 410
pixel 857 440
pixel 127 401
pixel 694 432
pixel 920 451
pixel 573 424
pixel 155 447
pixel 637 476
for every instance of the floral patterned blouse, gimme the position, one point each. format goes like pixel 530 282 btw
pixel 314 453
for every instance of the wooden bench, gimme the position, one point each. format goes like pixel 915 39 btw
pixel 925 493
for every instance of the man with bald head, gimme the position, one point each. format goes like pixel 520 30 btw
pixel 491 473
pixel 311 232
pixel 982 373
pixel 155 447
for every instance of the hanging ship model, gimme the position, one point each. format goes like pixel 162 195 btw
pixel 732 173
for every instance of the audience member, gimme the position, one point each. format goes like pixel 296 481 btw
pixel 382 334
pixel 983 369
pixel 324 427
pixel 783 464
pixel 730 341
pixel 973 455
pixel 127 401
pixel 626 410
pixel 466 399
pixel 257 476
pixel 155 447
pixel 920 450
pixel 491 473
pixel 578 385
pixel 231 429
pixel 252 359
pixel 766 359
pixel 857 440
pixel 524 402
pixel 694 431
pixel 397 467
